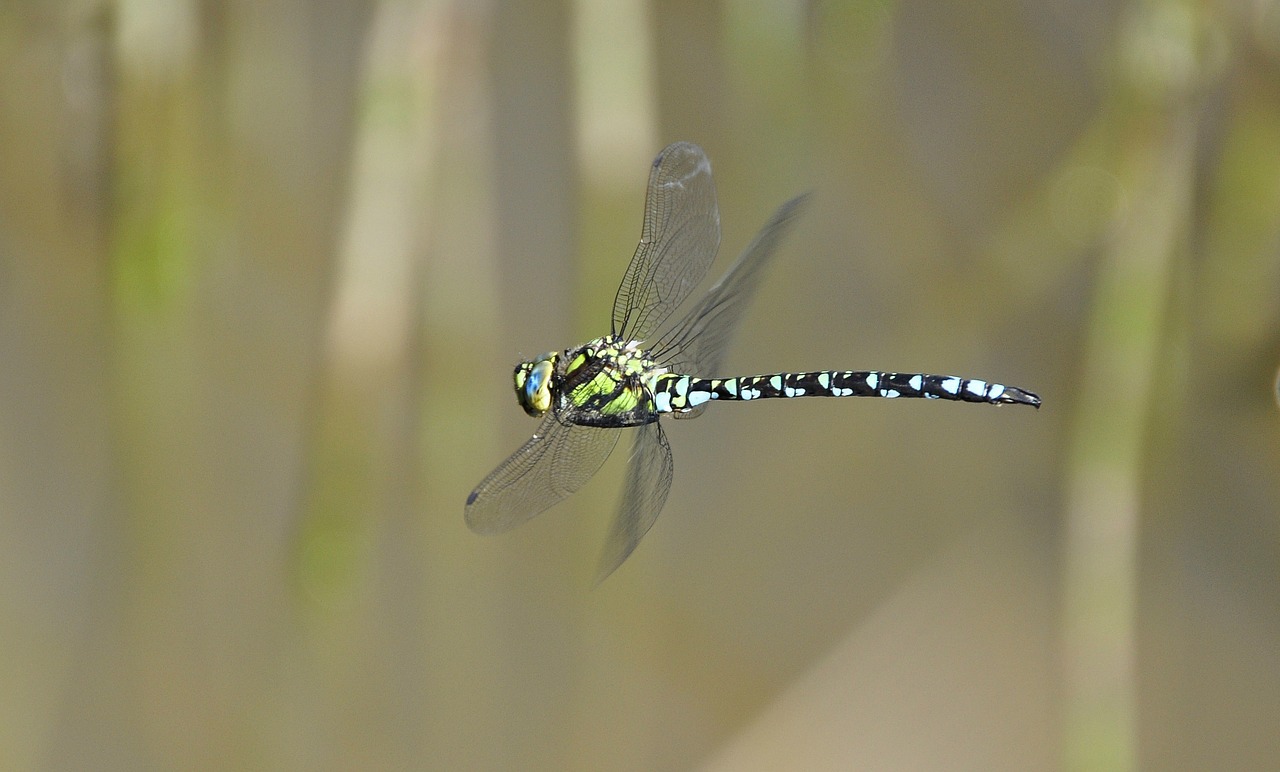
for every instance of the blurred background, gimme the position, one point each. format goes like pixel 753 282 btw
pixel 265 269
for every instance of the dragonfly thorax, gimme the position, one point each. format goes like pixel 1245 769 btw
pixel 605 382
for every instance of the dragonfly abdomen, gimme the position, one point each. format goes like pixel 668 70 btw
pixel 677 393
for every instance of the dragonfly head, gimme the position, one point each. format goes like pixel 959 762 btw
pixel 533 384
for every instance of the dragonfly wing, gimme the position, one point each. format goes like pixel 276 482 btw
pixel 648 482
pixel 698 342
pixel 554 463
pixel 678 241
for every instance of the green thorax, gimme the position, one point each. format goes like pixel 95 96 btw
pixel 605 382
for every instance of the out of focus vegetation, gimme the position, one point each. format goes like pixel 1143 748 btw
pixel 265 268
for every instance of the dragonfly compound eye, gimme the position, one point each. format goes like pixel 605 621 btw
pixel 533 386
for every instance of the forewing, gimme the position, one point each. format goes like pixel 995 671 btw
pixel 698 342
pixel 554 463
pixel 648 482
pixel 678 241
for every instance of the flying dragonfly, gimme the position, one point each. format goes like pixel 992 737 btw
pixel 642 371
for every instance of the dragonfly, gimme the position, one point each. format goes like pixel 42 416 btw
pixel 646 368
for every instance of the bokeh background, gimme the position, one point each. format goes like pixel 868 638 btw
pixel 265 268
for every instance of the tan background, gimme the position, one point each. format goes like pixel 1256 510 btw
pixel 265 268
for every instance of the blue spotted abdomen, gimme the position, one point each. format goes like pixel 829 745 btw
pixel 678 393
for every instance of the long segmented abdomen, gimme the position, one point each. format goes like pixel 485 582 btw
pixel 674 393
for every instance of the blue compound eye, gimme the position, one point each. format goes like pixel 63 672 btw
pixel 537 377
pixel 533 385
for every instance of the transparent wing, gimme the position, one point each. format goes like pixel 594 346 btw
pixel 648 482
pixel 697 343
pixel 678 241
pixel 554 463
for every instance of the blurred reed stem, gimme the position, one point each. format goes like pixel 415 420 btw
pixel 1155 163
